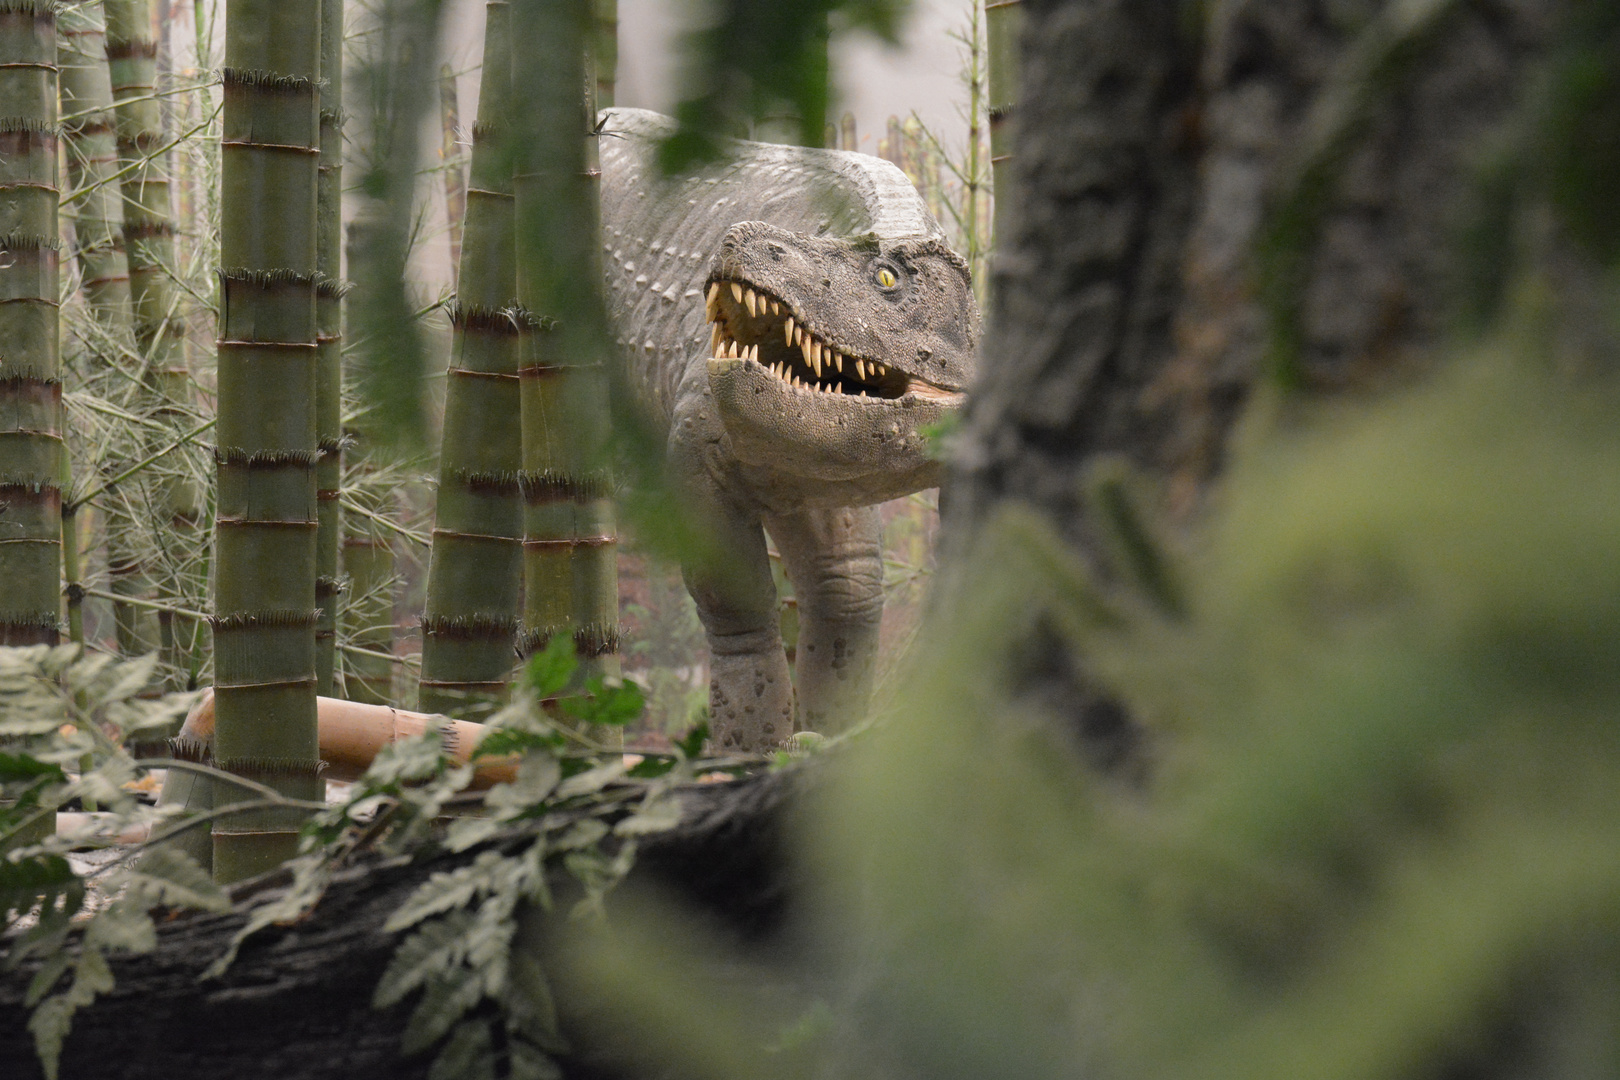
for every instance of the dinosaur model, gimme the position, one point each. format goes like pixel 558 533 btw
pixel 794 319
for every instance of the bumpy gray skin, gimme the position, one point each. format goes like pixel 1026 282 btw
pixel 842 244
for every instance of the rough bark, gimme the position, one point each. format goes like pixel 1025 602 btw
pixel 1202 205
pixel 297 1002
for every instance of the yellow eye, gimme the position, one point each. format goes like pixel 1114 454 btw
pixel 886 278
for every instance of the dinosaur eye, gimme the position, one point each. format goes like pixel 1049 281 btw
pixel 885 277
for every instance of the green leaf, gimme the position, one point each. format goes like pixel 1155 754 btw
pixel 36 879
pixel 49 1025
pixel 655 816
pixel 581 834
pixel 467 1055
pixel 615 704
pixel 469 832
pixel 500 742
pixel 591 781
pixel 446 1000
pixel 444 891
pixel 46 978
pixel 651 768
pixel 531 1063
pixel 406 761
pixel 537 778
pixel 429 952
pixel 691 744
pixel 167 875
pixel 15 767
pixel 549 670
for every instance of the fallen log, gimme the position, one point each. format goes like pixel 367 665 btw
pixel 296 1003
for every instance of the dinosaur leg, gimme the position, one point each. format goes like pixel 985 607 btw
pixel 750 693
pixel 835 560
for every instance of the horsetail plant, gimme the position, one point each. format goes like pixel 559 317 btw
pixel 475 574
pixel 31 454
pixel 264 597
pixel 570 537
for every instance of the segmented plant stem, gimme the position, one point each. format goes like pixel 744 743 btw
pixel 475 574
pixel 264 598
pixel 329 589
pixel 570 534
pixel 32 460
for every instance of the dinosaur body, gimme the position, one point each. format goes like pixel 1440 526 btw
pixel 794 319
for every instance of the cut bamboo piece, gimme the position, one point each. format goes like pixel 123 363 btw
pixel 475 574
pixel 353 733
pixel 31 454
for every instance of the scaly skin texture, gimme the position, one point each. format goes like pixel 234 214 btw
pixel 794 320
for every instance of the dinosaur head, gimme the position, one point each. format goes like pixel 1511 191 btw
pixel 831 354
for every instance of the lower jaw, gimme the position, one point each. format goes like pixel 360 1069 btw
pixel 858 444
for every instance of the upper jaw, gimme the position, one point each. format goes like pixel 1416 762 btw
pixel 748 322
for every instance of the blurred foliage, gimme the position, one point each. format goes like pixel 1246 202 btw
pixel 64 715
pixel 1378 840
pixel 753 58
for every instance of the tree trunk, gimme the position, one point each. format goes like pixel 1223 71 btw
pixel 265 612
pixel 475 575
pixel 1196 212
pixel 31 454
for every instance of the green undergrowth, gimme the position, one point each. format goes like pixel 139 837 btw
pixel 1375 839
pixel 576 807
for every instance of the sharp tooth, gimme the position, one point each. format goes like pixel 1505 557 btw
pixel 776 309
pixel 752 301
pixel 753 353
pixel 838 362
pixel 804 347
pixel 860 369
pixel 878 371
pixel 788 329
pixel 815 362
pixel 714 292
pixel 714 340
pixel 736 292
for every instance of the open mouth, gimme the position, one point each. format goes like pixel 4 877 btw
pixel 750 324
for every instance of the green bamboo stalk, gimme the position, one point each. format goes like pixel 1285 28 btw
pixel 455 181
pixel 31 451
pixel 98 219
pixel 149 242
pixel 475 572
pixel 264 597
pixel 368 560
pixel 1004 29
pixel 329 352
pixel 605 51
pixel 92 164
pixel 368 619
pixel 570 535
